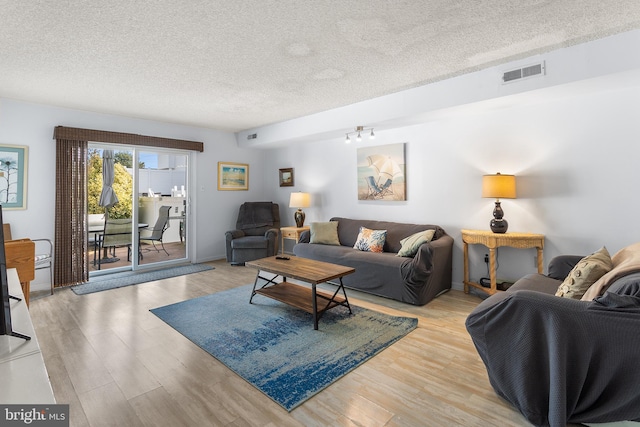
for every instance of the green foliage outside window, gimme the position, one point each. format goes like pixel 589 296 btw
pixel 122 185
pixel 125 158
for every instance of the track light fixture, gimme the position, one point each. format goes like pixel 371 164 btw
pixel 358 132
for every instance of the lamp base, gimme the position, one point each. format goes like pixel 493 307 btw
pixel 299 216
pixel 499 225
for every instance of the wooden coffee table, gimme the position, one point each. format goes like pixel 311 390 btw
pixel 302 297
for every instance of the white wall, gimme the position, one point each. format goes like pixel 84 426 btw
pixel 573 145
pixel 575 159
pixel 610 62
pixel 569 136
pixel 214 211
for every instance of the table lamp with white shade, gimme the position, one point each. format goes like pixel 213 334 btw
pixel 299 200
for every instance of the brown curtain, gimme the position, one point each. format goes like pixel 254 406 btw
pixel 71 265
pixel 63 132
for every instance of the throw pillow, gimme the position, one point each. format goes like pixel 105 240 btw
pixel 586 272
pixel 625 261
pixel 411 244
pixel 370 240
pixel 324 233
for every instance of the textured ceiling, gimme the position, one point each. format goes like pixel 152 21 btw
pixel 240 64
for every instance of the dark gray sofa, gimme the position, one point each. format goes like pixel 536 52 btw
pixel 414 280
pixel 561 360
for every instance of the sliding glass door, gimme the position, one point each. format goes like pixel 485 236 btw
pixel 137 207
pixel 162 204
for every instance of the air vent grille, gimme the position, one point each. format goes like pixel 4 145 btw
pixel 512 75
pixel 523 73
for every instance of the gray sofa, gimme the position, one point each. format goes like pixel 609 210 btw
pixel 562 360
pixel 414 280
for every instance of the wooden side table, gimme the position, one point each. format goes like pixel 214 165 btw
pixel 492 241
pixel 291 233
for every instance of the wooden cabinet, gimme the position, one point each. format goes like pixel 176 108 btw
pixel 21 255
pixel 291 233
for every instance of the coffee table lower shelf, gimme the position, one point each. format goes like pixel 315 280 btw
pixel 300 297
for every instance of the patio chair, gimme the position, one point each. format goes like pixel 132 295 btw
pixel 44 257
pixel 117 233
pixel 157 231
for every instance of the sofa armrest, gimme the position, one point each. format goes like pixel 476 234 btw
pixel 560 266
pixel 305 237
pixel 430 269
pixel 273 237
pixel 570 355
pixel 234 234
pixel 228 237
pixel 272 233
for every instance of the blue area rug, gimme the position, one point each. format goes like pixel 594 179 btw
pixel 274 347
pixel 128 278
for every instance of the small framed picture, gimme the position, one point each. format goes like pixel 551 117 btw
pixel 233 176
pixel 13 176
pixel 286 177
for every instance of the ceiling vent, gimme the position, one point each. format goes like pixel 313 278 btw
pixel 252 136
pixel 534 70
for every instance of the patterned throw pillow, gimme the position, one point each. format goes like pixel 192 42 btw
pixel 370 240
pixel 586 272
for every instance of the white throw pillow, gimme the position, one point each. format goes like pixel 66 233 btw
pixel 411 244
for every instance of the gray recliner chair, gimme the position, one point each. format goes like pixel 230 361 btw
pixel 257 233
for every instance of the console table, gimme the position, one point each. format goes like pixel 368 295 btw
pixel 492 241
pixel 24 375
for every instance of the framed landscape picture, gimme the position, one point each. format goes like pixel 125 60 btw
pixel 286 177
pixel 13 176
pixel 233 176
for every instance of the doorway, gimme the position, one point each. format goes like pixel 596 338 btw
pixel 145 224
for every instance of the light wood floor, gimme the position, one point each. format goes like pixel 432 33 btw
pixel 117 364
